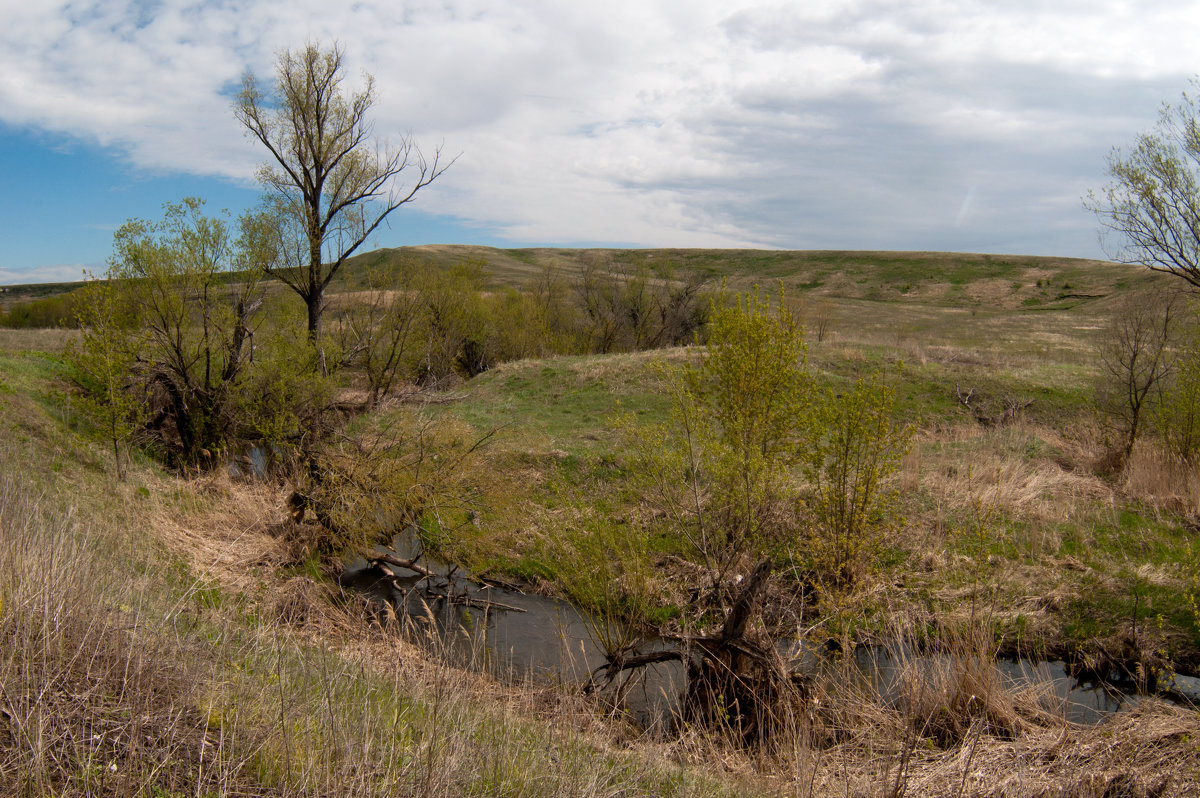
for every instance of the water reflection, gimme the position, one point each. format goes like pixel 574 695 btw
pixel 517 636
pixel 529 637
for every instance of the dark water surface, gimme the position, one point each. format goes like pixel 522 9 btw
pixel 547 640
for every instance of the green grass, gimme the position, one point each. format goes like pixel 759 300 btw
pixel 566 404
pixel 999 325
pixel 222 696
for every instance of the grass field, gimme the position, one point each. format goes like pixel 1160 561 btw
pixel 172 635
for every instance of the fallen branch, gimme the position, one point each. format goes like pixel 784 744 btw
pixel 378 559
pixel 384 560
pixel 484 604
pixel 622 663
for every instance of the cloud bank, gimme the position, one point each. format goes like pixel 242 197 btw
pixel 709 123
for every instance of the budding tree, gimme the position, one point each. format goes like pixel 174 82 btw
pixel 331 183
pixel 1136 356
pixel 1152 205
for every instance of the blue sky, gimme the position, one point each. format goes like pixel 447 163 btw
pixel 71 196
pixel 866 124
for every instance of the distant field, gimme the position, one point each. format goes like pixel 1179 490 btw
pixel 1027 307
pixel 12 294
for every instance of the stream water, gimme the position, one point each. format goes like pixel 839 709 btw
pixel 518 636
pixel 532 637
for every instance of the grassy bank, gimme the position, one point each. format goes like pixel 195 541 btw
pixel 1075 559
pixel 162 637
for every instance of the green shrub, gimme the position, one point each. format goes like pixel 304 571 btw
pixel 606 569
pixel 280 396
pixel 1179 409
pixel 103 364
pixel 741 418
pixel 59 310
pixel 858 448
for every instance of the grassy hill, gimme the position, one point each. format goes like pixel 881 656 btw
pixel 942 278
pixel 173 634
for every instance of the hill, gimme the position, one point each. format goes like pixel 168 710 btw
pixel 944 279
pixel 182 635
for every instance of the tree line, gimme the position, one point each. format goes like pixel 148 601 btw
pixel 188 345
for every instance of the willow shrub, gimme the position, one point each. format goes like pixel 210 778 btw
pixel 723 469
pixel 850 464
pixel 758 460
pixel 1178 413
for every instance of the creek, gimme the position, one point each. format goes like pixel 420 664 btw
pixel 518 636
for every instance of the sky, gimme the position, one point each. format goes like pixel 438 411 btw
pixel 956 125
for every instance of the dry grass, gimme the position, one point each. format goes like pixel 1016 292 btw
pixel 950 726
pixel 94 699
pixel 1153 476
pixel 122 673
pixel 1142 753
pixel 1000 475
pixel 53 340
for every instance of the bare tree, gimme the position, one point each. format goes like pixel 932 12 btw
pixel 379 331
pixel 1152 205
pixel 1135 358
pixel 331 183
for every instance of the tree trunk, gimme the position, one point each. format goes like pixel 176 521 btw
pixel 314 302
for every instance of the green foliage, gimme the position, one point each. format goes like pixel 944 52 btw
pixel 758 461
pixel 551 319
pixel 1193 584
pixel 281 395
pixel 606 570
pixel 196 289
pixel 849 464
pixel 381 334
pixel 103 364
pixel 458 326
pixel 1151 203
pixel 741 417
pixel 1179 410
pixel 412 469
pixel 60 310
pixel 752 395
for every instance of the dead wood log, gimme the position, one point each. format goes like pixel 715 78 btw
pixel 735 680
pixel 382 561
pixel 734 627
pixel 624 662
pixel 483 604
pixel 378 558
pixel 740 682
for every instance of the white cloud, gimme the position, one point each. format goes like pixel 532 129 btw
pixel 676 122
pixel 53 273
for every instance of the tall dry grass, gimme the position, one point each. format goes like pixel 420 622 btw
pixel 94 697
pixel 948 724
pixel 43 339
pixel 125 670
pixel 1154 476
